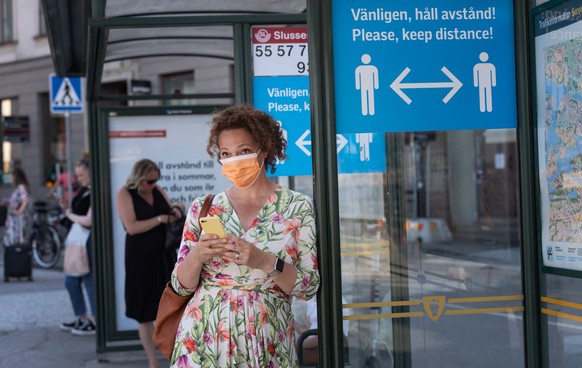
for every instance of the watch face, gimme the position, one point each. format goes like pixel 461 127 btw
pixel 279 265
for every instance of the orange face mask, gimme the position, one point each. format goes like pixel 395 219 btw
pixel 242 170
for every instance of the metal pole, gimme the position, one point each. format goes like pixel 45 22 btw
pixel 427 179
pixel 69 160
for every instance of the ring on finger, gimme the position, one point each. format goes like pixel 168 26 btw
pixel 237 255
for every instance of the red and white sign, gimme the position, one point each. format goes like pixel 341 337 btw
pixel 280 51
pixel 137 134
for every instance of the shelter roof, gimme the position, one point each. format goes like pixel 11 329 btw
pixel 86 34
pixel 132 8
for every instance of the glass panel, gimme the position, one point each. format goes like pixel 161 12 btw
pixel 563 325
pixel 179 83
pixel 430 252
pixel 559 160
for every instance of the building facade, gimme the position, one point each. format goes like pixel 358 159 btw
pixel 25 65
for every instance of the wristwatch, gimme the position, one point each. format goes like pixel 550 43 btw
pixel 277 267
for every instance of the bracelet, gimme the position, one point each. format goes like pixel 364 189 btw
pixel 159 219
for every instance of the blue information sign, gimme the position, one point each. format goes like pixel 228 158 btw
pixel 66 94
pixel 287 100
pixel 422 65
pixel 363 153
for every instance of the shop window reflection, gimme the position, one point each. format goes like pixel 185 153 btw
pixel 456 204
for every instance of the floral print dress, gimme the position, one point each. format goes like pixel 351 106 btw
pixel 17 227
pixel 238 317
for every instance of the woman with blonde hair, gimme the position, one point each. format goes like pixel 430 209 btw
pixel 144 209
pixel 80 213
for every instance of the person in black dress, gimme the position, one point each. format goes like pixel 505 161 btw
pixel 144 209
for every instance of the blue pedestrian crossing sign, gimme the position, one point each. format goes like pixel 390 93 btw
pixel 66 94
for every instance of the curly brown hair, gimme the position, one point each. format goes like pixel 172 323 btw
pixel 261 126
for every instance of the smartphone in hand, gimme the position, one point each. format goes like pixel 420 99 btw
pixel 212 225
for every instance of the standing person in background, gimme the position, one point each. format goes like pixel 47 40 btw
pixel 240 310
pixel 60 188
pixel 19 218
pixel 144 209
pixel 80 212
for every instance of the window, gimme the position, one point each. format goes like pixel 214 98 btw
pixel 433 227
pixel 41 20
pixel 11 153
pixel 6 34
pixel 182 83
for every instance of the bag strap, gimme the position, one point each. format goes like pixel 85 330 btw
pixel 205 208
pixel 179 209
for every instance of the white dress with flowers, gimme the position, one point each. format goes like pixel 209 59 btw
pixel 238 317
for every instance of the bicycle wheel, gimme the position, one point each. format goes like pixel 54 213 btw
pixel 46 247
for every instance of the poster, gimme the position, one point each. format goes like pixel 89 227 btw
pixel 558 56
pixel 178 145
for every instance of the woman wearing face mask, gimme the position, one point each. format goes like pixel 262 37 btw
pixel 241 284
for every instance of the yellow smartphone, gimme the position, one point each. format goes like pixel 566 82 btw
pixel 212 225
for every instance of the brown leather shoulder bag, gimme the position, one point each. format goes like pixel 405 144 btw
pixel 171 308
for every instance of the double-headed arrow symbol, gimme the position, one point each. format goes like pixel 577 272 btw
pixel 302 142
pixel 398 86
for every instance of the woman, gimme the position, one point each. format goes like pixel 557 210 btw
pixel 80 213
pixel 19 220
pixel 240 312
pixel 61 186
pixel 144 209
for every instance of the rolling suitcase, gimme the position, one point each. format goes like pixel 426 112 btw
pixel 17 261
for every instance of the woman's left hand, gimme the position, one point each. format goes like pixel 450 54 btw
pixel 242 252
pixel 63 203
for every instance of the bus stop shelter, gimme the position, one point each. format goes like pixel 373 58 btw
pixel 86 36
pixel 477 176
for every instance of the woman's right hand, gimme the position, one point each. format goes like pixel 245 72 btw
pixel 63 203
pixel 208 247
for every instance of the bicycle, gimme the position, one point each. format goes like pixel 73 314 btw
pixel 48 235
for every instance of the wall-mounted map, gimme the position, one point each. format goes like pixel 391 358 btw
pixel 559 129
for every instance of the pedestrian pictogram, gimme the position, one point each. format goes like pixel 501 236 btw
pixel 66 94
pixel 367 81
pixel 484 78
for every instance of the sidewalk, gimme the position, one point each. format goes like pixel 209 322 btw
pixel 30 315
